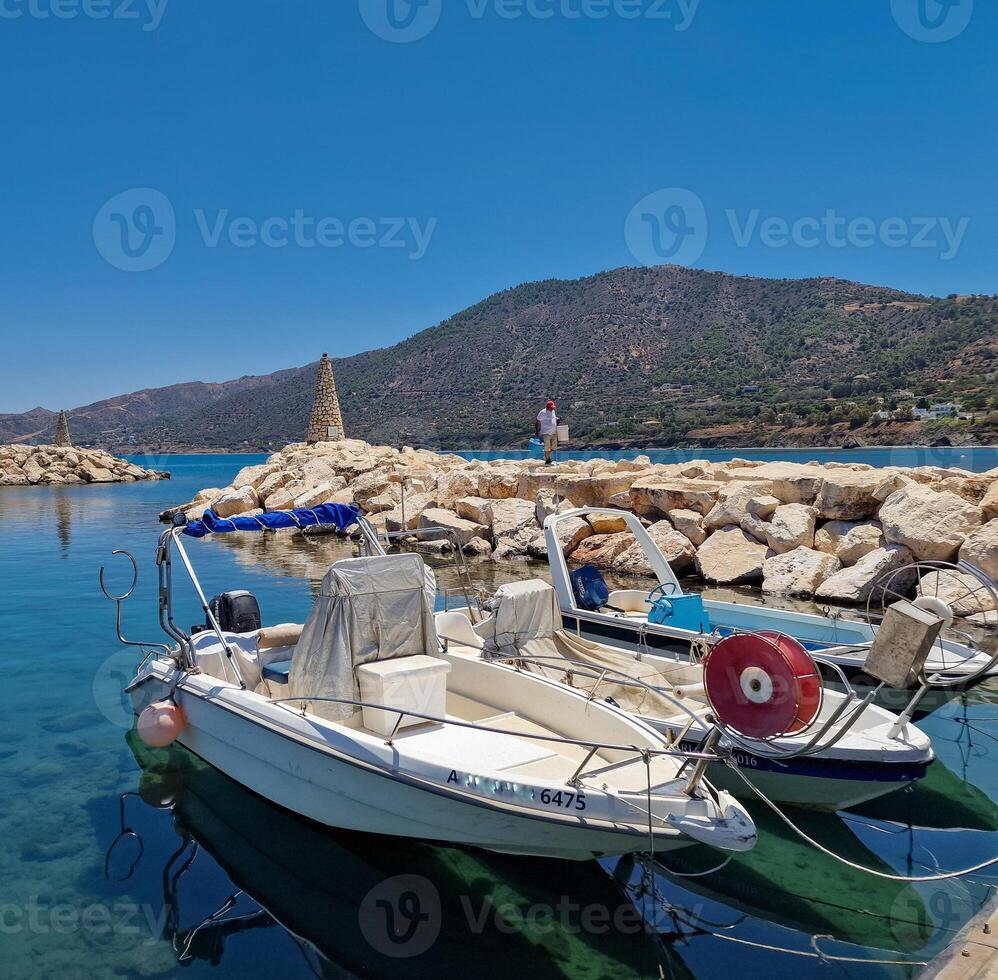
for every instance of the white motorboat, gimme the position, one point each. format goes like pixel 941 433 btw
pixel 850 750
pixel 359 720
pixel 665 618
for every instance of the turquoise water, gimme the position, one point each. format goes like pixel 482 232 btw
pixel 978 460
pixel 307 902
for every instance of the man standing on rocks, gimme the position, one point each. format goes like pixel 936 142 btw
pixel 546 427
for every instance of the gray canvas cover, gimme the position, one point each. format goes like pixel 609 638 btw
pixel 368 609
pixel 521 611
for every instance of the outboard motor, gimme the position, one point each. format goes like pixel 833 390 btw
pixel 236 612
pixel 590 588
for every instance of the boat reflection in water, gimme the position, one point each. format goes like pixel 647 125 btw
pixel 787 882
pixel 378 906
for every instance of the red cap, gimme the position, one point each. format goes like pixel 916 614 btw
pixel 550 405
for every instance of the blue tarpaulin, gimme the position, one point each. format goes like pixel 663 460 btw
pixel 340 516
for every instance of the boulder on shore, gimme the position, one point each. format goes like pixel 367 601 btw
pixel 22 466
pixel 856 583
pixel 931 525
pixel 798 572
pixel 730 556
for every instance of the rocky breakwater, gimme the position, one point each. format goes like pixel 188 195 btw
pixel 21 466
pixel 805 529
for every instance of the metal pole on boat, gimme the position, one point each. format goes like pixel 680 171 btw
pixel 713 737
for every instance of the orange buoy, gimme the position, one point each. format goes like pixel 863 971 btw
pixel 160 724
pixel 763 685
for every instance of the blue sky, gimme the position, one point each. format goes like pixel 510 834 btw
pixel 511 143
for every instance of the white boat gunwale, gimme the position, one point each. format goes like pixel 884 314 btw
pixel 317 744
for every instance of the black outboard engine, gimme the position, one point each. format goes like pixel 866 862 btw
pixel 236 612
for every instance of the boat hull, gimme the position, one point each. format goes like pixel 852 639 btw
pixel 813 783
pixel 348 794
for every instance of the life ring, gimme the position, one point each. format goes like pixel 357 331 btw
pixel 762 685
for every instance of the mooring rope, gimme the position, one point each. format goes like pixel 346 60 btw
pixel 851 864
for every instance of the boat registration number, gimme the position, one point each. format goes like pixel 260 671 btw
pixel 563 800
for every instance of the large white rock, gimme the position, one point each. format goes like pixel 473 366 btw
pixel 456 484
pixel 476 509
pixel 989 505
pixel 406 516
pixel 451 526
pixel 593 491
pixel 602 550
pixel 932 525
pixel 571 533
pixel 654 495
pixel 730 555
pixel 981 548
pixel 798 572
pixel 791 527
pixel 514 525
pixel 606 523
pixel 689 523
pixel 285 497
pixel 498 482
pixel 677 549
pixel 326 491
pixel 732 504
pixel 849 540
pixel 854 584
pixel 235 501
pixel 847 495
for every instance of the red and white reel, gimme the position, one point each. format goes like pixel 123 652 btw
pixel 762 685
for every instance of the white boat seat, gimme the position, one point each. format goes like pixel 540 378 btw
pixel 455 627
pixel 629 601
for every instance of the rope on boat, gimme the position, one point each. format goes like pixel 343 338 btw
pixel 851 864
pixel 696 874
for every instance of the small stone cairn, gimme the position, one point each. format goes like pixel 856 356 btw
pixel 326 422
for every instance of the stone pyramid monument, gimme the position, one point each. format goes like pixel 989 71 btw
pixel 62 431
pixel 326 424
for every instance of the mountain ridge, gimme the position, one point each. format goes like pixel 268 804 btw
pixel 635 356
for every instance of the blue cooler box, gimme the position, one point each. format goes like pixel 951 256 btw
pixel 683 612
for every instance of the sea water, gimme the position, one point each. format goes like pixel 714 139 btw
pixel 209 879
